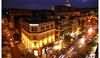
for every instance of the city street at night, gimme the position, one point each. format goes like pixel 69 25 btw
pixel 57 29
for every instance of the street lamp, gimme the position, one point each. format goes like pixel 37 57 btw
pixel 90 31
pixel 81 42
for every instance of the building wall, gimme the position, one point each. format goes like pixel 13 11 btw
pixel 38 40
pixel 43 35
pixel 40 28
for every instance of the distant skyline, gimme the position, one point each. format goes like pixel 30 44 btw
pixel 46 4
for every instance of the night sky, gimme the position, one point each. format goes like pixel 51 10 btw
pixel 45 4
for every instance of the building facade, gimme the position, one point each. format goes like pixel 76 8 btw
pixel 37 36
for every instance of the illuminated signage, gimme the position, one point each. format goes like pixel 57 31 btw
pixel 33 24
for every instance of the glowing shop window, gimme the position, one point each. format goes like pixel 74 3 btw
pixel 53 38
pixel 41 43
pixel 45 41
pixel 33 46
pixel 35 52
pixel 43 51
pixel 49 39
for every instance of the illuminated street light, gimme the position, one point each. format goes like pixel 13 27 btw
pixel 90 31
pixel 10 39
pixel 80 46
pixel 72 34
pixel 89 20
pixel 71 39
pixel 81 42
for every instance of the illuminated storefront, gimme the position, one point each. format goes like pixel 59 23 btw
pixel 46 38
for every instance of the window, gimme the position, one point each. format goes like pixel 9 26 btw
pixel 42 28
pixel 47 27
pixel 33 29
pixel 58 17
pixel 52 26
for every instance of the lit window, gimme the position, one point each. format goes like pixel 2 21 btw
pixel 33 29
pixel 35 52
